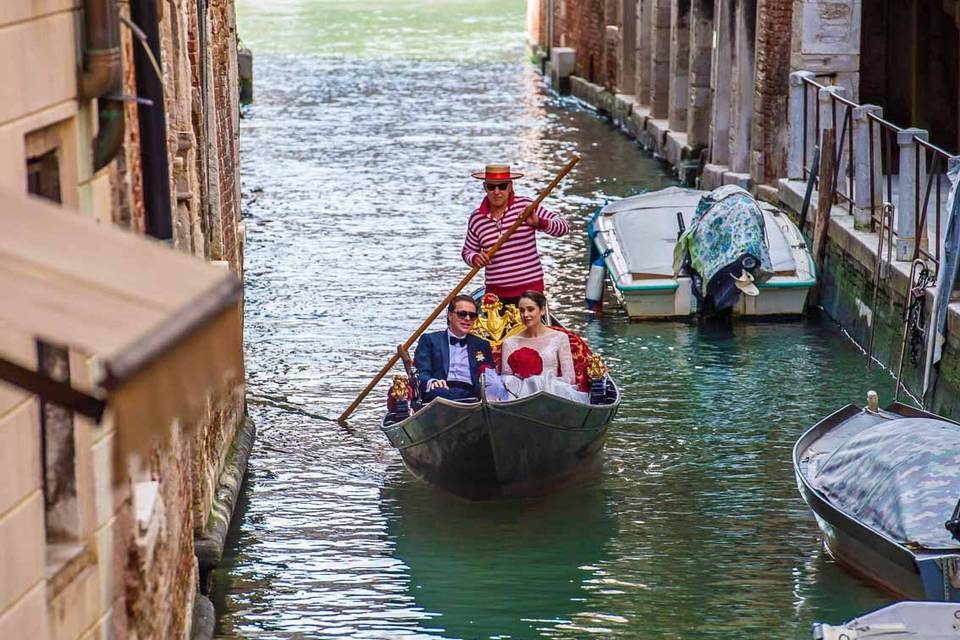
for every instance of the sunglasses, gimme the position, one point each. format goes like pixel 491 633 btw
pixel 466 315
pixel 503 186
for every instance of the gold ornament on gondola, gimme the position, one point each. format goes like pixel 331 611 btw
pixel 596 369
pixel 399 388
pixel 496 324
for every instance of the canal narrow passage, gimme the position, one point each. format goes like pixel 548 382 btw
pixel 369 117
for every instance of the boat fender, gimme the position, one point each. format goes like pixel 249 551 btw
pixel 594 293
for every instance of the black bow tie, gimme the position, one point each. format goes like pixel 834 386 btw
pixel 458 341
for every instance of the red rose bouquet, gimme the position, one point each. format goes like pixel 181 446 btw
pixel 525 362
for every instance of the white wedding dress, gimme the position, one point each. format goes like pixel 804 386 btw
pixel 558 377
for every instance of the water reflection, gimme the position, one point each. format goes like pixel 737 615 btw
pixel 510 568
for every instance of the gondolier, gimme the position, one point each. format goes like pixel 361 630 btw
pixel 516 267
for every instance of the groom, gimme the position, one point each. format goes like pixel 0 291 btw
pixel 449 361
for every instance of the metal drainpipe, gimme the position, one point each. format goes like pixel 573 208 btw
pixel 102 77
pixel 153 125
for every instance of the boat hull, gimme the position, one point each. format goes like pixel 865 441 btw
pixel 655 301
pixel 861 549
pixel 917 620
pixel 526 447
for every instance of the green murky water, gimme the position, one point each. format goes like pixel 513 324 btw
pixel 369 117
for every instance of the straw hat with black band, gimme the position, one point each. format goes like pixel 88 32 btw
pixel 496 173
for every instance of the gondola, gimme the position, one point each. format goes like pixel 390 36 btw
pixel 518 448
pixel 883 486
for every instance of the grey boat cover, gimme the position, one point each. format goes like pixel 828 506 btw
pixel 901 477
pixel 646 227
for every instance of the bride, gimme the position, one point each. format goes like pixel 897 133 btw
pixel 524 373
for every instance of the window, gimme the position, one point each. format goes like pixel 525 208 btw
pixel 58 455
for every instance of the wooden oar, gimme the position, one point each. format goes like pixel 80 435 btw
pixel 466 279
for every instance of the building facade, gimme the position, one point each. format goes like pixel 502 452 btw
pixel 126 111
pixel 707 81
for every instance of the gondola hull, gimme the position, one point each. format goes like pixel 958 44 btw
pixel 480 450
pixel 888 563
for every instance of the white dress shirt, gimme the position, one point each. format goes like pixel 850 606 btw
pixel 459 369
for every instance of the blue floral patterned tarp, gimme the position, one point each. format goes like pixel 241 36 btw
pixel 900 477
pixel 727 224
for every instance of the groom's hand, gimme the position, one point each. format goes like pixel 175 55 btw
pixel 436 384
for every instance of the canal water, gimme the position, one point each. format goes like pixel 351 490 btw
pixel 369 117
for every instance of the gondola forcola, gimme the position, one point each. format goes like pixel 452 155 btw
pixel 521 447
pixel 884 486
pixel 678 252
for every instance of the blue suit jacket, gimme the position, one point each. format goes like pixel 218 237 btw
pixel 432 358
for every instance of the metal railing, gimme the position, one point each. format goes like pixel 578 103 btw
pixel 940 160
pixel 891 165
pixel 886 132
pixel 844 138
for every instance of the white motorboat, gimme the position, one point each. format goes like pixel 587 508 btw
pixel 635 238
pixel 915 620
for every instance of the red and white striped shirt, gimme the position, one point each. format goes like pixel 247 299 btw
pixel 515 267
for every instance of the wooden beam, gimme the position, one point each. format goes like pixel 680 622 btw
pixel 52 391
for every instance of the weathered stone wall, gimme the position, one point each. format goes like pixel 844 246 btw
pixel 847 296
pixel 127 177
pixel 585 31
pixel 537 23
pixel 202 99
pixel 163 568
pixel 227 97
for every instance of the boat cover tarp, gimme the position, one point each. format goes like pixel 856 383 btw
pixel 900 477
pixel 727 224
pixel 646 227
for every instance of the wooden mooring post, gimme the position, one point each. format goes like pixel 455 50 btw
pixel 828 153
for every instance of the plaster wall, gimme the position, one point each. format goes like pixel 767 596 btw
pixel 626 79
pixel 701 50
pixel 679 69
pixel 826 39
pixel 742 90
pixel 660 59
pixel 642 67
pixel 721 80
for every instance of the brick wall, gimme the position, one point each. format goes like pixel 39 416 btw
pixel 201 94
pixel 769 127
pixel 537 22
pixel 226 95
pixel 585 29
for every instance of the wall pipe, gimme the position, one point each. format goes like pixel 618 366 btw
pixel 153 124
pixel 102 77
